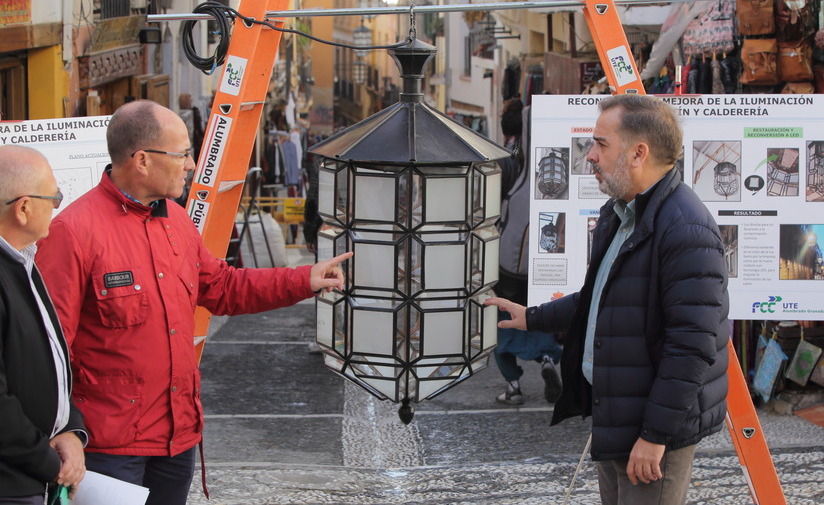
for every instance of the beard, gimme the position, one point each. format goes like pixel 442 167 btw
pixel 618 184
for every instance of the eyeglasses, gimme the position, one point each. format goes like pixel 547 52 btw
pixel 56 199
pixel 185 154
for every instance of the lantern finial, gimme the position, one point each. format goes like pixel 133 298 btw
pixel 411 60
pixel 406 412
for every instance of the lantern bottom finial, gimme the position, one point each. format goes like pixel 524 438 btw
pixel 406 412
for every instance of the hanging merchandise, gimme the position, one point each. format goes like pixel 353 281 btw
pixel 798 88
pixel 768 369
pixel 793 19
pixel 730 71
pixel 818 75
pixel 717 82
pixel 693 77
pixel 759 59
pixel 803 362
pixel 705 76
pixel 755 17
pixel 711 32
pixel 795 61
pixel 761 345
pixel 817 375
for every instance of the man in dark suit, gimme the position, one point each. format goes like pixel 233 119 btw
pixel 41 433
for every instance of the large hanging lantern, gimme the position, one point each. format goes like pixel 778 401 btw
pixel 416 196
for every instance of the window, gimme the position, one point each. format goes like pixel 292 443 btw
pixel 13 99
pixel 114 8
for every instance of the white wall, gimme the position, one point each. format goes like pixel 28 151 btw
pixel 473 89
pixel 46 11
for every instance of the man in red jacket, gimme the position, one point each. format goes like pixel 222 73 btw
pixel 126 268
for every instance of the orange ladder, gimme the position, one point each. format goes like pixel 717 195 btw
pixel 217 185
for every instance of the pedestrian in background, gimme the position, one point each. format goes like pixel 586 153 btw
pixel 645 348
pixel 41 430
pixel 513 271
pixel 126 270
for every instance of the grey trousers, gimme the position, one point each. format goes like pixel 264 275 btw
pixel 616 489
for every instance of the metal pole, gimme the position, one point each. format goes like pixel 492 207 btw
pixel 406 9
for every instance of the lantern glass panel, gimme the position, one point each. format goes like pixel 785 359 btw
pixel 443 333
pixel 416 199
pixel 416 267
pixel 340 328
pixel 334 362
pixel 331 241
pixel 401 333
pixel 490 328
pixel 491 261
pixel 375 265
pixel 484 265
pixel 445 200
pixel 413 347
pixel 372 331
pixel 492 203
pixel 404 199
pixel 375 198
pixel 430 388
pixel 445 266
pixel 444 171
pixel 326 190
pixel 325 324
pixel 386 388
pixel 402 264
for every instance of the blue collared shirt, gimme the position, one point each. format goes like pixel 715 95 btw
pixel 626 213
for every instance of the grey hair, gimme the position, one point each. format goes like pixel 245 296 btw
pixel 132 127
pixel 16 175
pixel 651 120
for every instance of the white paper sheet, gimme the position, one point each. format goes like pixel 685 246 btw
pixel 98 489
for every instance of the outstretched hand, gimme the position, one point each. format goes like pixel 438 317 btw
pixel 327 274
pixel 517 313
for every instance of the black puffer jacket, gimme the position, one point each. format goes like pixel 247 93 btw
pixel 660 356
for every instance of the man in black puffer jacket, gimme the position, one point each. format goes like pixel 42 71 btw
pixel 645 352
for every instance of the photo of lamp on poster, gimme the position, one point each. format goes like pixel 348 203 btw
pixel 757 163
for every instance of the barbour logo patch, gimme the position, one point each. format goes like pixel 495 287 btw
pixel 118 279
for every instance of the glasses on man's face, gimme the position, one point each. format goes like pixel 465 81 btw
pixel 56 199
pixel 185 154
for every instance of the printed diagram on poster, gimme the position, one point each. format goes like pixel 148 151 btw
pixel 757 163
pixel 75 148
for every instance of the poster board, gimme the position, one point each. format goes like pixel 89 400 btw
pixel 757 163
pixel 75 148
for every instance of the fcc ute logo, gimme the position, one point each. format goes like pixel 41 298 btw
pixel 767 307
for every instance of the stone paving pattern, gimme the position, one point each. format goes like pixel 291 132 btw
pixel 283 429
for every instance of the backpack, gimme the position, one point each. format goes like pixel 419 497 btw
pixel 759 58
pixel 514 230
pixel 755 17
pixel 793 19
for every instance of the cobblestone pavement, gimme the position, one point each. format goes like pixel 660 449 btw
pixel 282 429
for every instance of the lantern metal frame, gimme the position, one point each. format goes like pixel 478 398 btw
pixel 409 322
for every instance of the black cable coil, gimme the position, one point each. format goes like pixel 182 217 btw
pixel 224 17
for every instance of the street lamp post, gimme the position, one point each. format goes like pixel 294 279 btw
pixel 416 196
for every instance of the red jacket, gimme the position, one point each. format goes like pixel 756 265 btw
pixel 125 280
